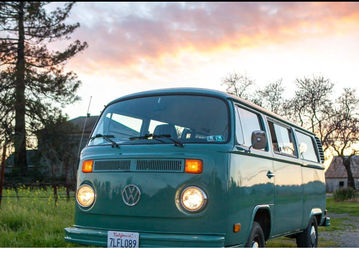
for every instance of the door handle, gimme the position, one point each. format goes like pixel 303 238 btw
pixel 270 174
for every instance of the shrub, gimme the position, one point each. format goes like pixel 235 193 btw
pixel 344 194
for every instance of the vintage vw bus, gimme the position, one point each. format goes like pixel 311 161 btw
pixel 197 168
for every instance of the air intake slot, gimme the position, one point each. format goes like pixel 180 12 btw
pixel 159 165
pixel 113 165
pixel 320 149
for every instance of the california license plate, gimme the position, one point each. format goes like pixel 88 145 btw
pixel 117 239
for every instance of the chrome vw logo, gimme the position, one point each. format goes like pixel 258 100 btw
pixel 131 194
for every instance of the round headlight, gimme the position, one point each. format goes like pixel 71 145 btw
pixel 193 198
pixel 85 196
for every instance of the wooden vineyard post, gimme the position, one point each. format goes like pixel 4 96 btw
pixel 2 176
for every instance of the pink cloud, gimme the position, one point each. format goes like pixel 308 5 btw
pixel 122 37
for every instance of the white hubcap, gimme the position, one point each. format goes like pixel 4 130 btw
pixel 255 245
pixel 313 235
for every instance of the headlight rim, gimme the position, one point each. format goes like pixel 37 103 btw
pixel 86 208
pixel 204 203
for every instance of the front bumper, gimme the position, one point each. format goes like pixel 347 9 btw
pixel 98 237
pixel 325 220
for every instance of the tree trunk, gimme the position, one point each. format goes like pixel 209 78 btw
pixel 347 162
pixel 2 177
pixel 20 161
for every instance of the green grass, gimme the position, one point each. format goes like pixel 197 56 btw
pixel 33 220
pixel 347 207
pixel 290 242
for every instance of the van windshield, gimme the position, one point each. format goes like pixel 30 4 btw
pixel 185 118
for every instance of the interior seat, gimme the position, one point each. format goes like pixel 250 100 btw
pixel 165 129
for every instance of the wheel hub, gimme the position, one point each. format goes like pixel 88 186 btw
pixel 313 235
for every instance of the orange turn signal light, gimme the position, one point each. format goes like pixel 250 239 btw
pixel 237 227
pixel 87 166
pixel 193 166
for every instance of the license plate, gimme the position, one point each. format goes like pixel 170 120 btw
pixel 117 239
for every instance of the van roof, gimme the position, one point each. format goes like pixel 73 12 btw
pixel 208 92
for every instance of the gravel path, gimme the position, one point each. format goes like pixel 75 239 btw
pixel 348 236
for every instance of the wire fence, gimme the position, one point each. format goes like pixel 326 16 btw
pixel 38 191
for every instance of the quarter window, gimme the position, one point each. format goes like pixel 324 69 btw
pixel 239 132
pixel 250 122
pixel 306 147
pixel 282 139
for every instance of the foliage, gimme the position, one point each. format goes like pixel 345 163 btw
pixel 34 220
pixel 348 207
pixel 271 97
pixel 32 77
pixel 238 84
pixel 343 194
pixel 57 148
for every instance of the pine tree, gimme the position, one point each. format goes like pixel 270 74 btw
pixel 33 83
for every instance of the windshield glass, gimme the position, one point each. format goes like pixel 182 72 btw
pixel 186 118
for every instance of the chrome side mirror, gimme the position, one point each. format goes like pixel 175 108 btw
pixel 259 139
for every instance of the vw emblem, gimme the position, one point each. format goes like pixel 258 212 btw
pixel 131 194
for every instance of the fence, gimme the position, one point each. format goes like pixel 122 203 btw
pixel 32 187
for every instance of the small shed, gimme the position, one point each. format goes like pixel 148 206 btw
pixel 336 175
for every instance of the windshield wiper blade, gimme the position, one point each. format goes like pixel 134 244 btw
pixel 147 136
pixel 176 142
pixel 156 137
pixel 107 138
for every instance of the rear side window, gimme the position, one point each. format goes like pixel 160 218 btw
pixel 282 139
pixel 306 147
pixel 250 122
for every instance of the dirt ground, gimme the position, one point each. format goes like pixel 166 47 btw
pixel 347 235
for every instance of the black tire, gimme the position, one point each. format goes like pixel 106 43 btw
pixel 309 237
pixel 256 238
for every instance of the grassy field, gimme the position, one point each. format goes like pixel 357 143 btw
pixel 33 219
pixel 348 207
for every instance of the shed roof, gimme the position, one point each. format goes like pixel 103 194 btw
pixel 337 169
pixel 80 121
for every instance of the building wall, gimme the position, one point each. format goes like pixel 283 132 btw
pixel 333 183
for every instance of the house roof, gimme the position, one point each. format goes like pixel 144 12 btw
pixel 337 169
pixel 80 121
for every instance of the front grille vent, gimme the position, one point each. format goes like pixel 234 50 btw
pixel 140 165
pixel 159 165
pixel 113 165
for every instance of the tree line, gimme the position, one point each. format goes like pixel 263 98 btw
pixel 335 120
pixel 34 85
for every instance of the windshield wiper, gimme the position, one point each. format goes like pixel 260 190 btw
pixel 152 136
pixel 107 138
pixel 147 136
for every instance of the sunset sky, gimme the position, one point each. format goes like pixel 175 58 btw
pixel 141 46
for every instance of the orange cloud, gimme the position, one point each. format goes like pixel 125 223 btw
pixel 127 41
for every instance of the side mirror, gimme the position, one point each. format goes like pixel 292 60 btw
pixel 259 139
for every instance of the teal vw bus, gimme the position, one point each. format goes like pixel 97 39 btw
pixel 197 168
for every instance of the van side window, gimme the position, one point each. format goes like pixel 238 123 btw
pixel 282 139
pixel 250 122
pixel 306 147
pixel 239 132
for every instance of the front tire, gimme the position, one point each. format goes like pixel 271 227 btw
pixel 256 238
pixel 309 237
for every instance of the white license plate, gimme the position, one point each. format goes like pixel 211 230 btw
pixel 117 239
